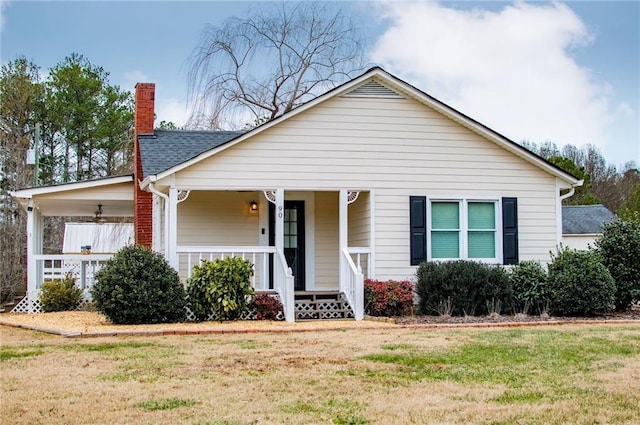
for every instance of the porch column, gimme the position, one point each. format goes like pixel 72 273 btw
pixel 372 236
pixel 34 247
pixel 343 232
pixel 172 236
pixel 279 219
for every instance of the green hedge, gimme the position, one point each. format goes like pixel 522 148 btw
pixel 220 289
pixel 463 288
pixel 579 284
pixel 138 286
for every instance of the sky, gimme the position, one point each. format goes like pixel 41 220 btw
pixel 566 72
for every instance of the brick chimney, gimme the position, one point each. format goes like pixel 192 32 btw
pixel 143 201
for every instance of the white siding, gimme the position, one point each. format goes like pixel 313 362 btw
pixel 397 147
pixel 326 240
pixel 359 219
pixel 218 219
pixel 579 241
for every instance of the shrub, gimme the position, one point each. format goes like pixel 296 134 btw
pixel 388 298
pixel 267 307
pixel 579 284
pixel 619 247
pixel 220 289
pixel 136 286
pixel 464 287
pixel 530 289
pixel 60 294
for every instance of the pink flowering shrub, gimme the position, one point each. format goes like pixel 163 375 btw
pixel 388 298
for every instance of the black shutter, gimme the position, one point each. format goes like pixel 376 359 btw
pixel 418 227
pixel 510 230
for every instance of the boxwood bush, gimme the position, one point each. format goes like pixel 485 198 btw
pixel 619 248
pixel 60 294
pixel 220 289
pixel 137 286
pixel 579 284
pixel 530 288
pixel 463 288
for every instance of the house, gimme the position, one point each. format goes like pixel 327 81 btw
pixel 365 181
pixel 583 224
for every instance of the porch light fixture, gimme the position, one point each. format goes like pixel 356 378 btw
pixel 253 206
pixel 97 218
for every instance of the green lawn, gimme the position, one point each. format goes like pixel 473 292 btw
pixel 566 374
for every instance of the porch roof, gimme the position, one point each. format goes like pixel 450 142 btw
pixel 115 194
pixel 165 149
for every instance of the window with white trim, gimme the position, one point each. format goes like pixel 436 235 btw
pixel 463 229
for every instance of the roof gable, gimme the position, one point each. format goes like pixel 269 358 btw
pixel 378 83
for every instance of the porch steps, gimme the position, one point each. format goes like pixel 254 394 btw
pixel 314 305
pixel 9 305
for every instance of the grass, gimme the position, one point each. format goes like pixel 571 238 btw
pixel 568 374
pixel 165 404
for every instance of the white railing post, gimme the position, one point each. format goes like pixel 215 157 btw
pixel 289 305
pixel 358 309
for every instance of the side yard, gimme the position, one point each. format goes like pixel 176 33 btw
pixel 569 374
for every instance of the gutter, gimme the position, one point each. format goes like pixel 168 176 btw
pixel 572 190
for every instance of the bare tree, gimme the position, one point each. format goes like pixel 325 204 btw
pixel 20 94
pixel 257 68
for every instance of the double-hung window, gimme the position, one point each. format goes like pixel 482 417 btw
pixel 475 229
pixel 463 229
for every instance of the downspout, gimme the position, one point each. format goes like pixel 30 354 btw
pixel 571 191
pixel 152 189
pixel 559 207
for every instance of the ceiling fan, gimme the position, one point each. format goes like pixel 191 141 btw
pixel 97 218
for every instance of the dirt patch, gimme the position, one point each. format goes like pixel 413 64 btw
pixel 85 323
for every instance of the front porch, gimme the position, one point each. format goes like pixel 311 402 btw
pixel 299 242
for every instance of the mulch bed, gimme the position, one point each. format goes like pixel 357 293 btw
pixel 518 318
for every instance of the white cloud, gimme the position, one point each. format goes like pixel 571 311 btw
pixel 511 70
pixel 171 109
pixel 131 78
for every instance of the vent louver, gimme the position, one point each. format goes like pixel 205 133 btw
pixel 373 89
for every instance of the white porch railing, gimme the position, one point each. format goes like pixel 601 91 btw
pixel 361 256
pixel 352 285
pixel 82 268
pixel 284 284
pixel 190 256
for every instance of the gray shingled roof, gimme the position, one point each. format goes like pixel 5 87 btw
pixel 167 148
pixel 584 219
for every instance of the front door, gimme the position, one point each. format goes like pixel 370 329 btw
pixel 294 241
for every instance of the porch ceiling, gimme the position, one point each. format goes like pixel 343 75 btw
pixel 84 207
pixel 82 198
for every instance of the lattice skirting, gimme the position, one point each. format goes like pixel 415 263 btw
pixel 32 305
pixel 329 309
pixel 27 305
